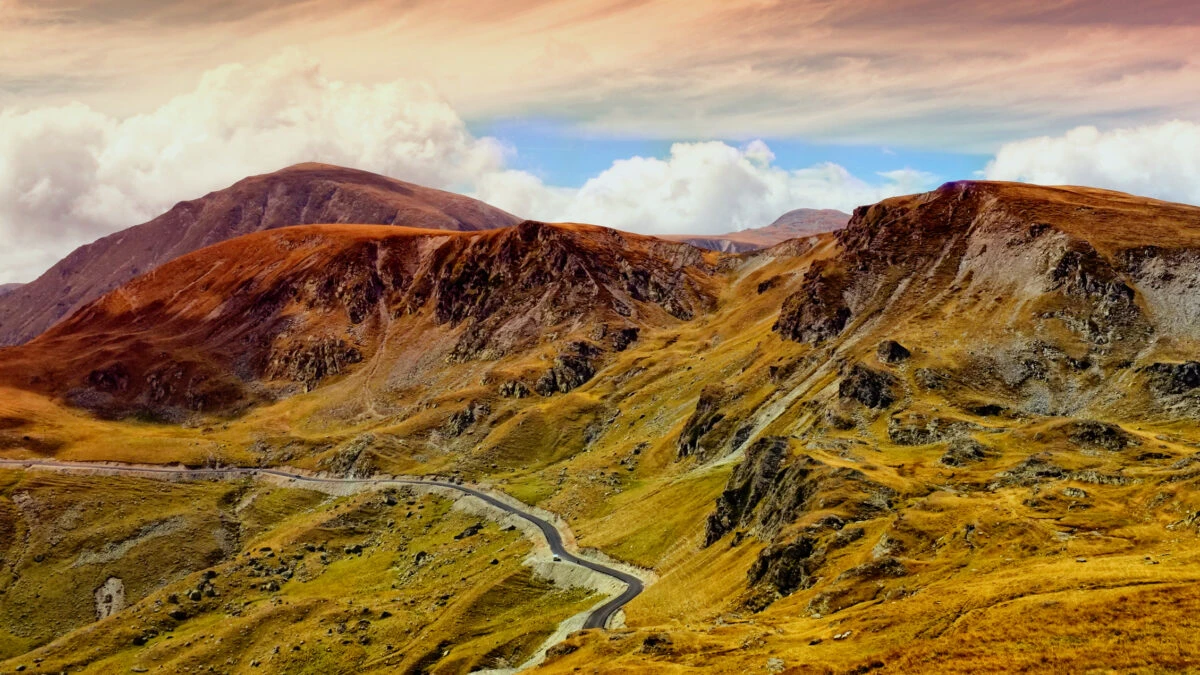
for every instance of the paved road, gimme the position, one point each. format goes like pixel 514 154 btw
pixel 599 617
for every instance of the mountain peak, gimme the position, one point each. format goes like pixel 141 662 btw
pixel 301 194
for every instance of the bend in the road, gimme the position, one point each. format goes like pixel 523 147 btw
pixel 599 617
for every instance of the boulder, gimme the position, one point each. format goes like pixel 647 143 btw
pixel 871 388
pixel 890 351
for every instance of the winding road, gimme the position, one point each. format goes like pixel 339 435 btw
pixel 598 618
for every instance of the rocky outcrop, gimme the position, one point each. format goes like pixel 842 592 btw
pixel 110 598
pixel 1030 471
pixel 816 313
pixel 354 460
pixel 890 351
pixel 1106 309
pixel 871 388
pixel 964 451
pixel 1092 434
pixel 917 429
pixel 787 568
pixel 1174 378
pixel 706 416
pixel 624 337
pixel 514 389
pixel 309 363
pixel 768 491
pixel 571 369
pixel 462 420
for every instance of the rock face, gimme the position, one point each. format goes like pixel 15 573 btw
pixel 871 388
pixel 788 567
pixel 1174 378
pixel 283 311
pixel 768 491
pixel 890 351
pixel 571 369
pixel 917 429
pixel 706 416
pixel 816 314
pixel 963 452
pixel 303 194
pixel 1031 471
pixel 110 598
pixel 972 267
pixel 1100 435
pixel 313 362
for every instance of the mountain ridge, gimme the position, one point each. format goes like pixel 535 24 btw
pixel 300 194
pixel 791 225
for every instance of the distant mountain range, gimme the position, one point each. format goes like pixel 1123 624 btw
pixel 793 224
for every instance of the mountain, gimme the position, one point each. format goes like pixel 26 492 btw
pixel 275 312
pixel 5 289
pixel 957 435
pixel 791 225
pixel 301 194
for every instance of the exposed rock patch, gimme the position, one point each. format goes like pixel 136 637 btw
pixel 706 416
pixel 310 363
pixel 917 429
pixel 110 598
pixel 890 351
pixel 1030 471
pixel 514 389
pixel 871 388
pixel 768 491
pixel 816 313
pixel 571 369
pixel 964 451
pixel 1100 435
pixel 1174 378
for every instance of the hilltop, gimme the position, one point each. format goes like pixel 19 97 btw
pixel 297 195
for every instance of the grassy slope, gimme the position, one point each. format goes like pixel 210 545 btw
pixel 340 612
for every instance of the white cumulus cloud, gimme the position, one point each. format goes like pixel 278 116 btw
pixel 1161 160
pixel 705 188
pixel 70 174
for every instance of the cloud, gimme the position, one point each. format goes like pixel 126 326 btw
pixel 1161 160
pixel 706 188
pixel 70 174
pixel 914 73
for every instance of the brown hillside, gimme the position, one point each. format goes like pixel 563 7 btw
pixel 298 195
pixel 216 329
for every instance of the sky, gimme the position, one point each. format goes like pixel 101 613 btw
pixel 657 116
